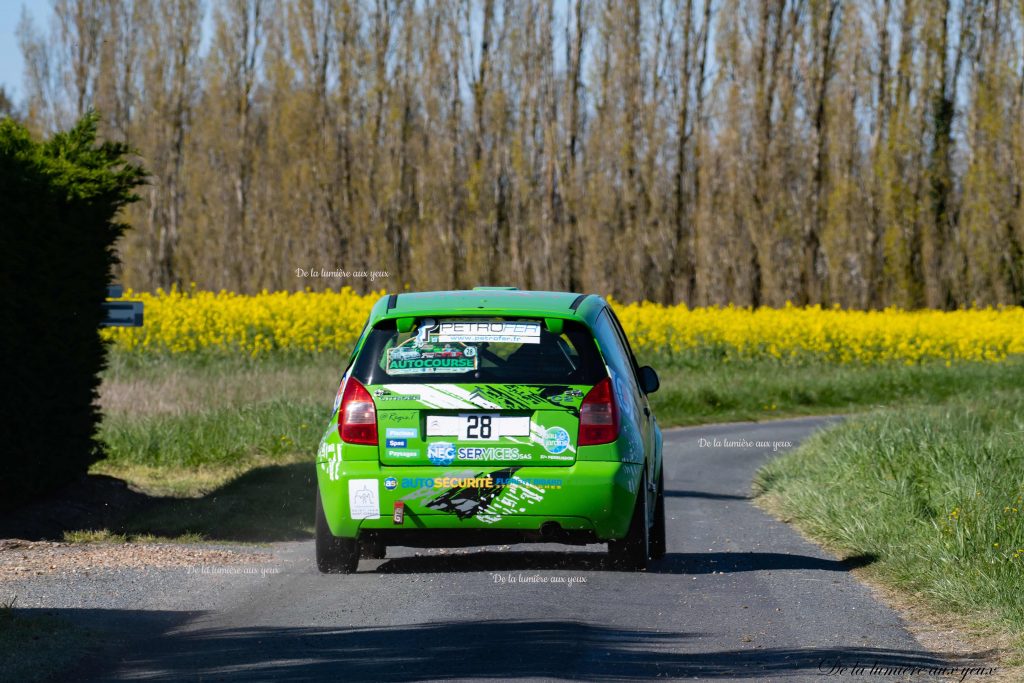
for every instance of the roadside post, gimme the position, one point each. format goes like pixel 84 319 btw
pixel 121 313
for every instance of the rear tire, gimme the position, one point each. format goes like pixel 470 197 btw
pixel 334 555
pixel 658 543
pixel 631 553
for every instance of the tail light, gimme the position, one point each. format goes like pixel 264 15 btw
pixel 599 416
pixel 357 417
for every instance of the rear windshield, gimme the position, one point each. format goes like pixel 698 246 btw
pixel 462 350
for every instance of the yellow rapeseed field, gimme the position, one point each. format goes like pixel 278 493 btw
pixel 194 320
pixel 793 333
pixel 188 321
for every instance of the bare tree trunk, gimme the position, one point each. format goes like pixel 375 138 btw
pixel 875 257
pixel 574 59
pixel 681 266
pixel 810 278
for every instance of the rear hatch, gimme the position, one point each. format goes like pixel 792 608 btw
pixel 493 391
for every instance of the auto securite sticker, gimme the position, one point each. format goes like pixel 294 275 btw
pixel 391 483
pixel 489 504
pixel 402 433
pixel 556 440
pixel 483 481
pixel 504 331
pixel 364 498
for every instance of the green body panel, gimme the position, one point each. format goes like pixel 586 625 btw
pixel 485 302
pixel 407 410
pixel 509 482
pixel 592 495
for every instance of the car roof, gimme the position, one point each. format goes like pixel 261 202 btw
pixel 489 301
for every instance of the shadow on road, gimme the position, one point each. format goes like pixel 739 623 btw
pixel 672 563
pixel 269 503
pixel 684 493
pixel 493 649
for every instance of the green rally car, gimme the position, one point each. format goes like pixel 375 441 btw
pixel 491 416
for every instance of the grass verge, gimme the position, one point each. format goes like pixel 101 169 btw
pixel 230 436
pixel 936 492
pixel 729 392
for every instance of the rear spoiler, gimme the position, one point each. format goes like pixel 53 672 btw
pixel 577 301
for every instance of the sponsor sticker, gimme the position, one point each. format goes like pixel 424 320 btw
pixel 329 457
pixel 567 396
pixel 501 331
pixel 556 440
pixel 364 498
pixel 441 453
pixel 402 454
pixel 398 514
pixel 402 433
pixel 421 358
pixel 399 416
pixel 391 483
pixel 329 451
pixel 484 481
pixel 385 395
pixel 491 453
pixel 397 443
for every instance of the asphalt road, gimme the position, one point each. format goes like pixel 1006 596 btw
pixel 739 596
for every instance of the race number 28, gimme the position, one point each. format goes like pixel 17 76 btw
pixel 478 427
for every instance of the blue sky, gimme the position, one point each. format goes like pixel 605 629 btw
pixel 10 56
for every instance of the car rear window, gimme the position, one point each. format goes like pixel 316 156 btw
pixel 493 349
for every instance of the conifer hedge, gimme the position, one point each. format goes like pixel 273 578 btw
pixel 59 205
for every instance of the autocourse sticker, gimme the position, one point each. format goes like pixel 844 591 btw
pixel 410 358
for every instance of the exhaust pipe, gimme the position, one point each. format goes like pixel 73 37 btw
pixel 551 530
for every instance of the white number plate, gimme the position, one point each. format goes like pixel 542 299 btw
pixel 478 426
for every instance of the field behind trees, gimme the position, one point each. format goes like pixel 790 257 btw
pixel 862 153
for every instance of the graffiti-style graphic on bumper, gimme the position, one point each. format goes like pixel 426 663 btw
pixel 483 499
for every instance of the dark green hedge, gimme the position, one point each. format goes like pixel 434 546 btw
pixel 59 201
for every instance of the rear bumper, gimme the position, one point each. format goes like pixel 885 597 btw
pixel 585 502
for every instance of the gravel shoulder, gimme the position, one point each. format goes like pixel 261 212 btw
pixel 76 608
